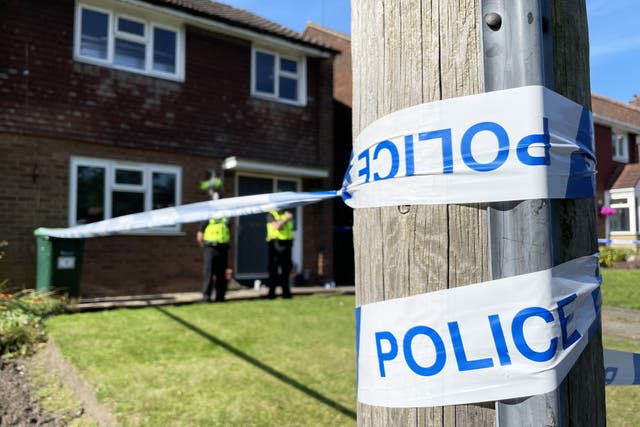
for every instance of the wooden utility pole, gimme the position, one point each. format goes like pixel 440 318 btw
pixel 407 52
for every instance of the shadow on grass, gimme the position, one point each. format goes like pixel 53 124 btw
pixel 258 364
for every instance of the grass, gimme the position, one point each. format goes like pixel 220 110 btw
pixel 250 363
pixel 621 288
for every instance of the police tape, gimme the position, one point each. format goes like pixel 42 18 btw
pixel 194 212
pixel 496 340
pixel 515 144
pixel 621 368
pixel 618 242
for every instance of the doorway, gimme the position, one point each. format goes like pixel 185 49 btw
pixel 251 247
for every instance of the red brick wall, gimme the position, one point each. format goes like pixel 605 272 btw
pixel 604 153
pixel 342 70
pixel 113 265
pixel 45 92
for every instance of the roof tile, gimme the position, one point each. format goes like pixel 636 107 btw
pixel 629 177
pixel 239 17
pixel 616 110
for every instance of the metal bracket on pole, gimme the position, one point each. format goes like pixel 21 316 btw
pixel 518 51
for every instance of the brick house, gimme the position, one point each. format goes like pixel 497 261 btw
pixel 617 126
pixel 342 97
pixel 121 106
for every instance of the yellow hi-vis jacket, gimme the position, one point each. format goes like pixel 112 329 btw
pixel 217 231
pixel 284 233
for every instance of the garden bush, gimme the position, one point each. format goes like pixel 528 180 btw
pixel 609 256
pixel 21 319
pixel 21 316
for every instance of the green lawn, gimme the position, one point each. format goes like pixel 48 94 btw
pixel 248 363
pixel 621 288
pixel 245 363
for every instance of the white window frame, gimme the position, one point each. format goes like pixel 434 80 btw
pixel 618 136
pixel 146 187
pixel 301 76
pixel 147 40
pixel 630 204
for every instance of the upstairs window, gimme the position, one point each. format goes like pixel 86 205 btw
pixel 103 189
pixel 277 77
pixel 129 43
pixel 620 146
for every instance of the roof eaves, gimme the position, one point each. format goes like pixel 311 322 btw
pixel 265 27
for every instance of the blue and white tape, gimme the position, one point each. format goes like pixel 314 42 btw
pixel 495 340
pixel 618 242
pixel 235 206
pixel 516 144
pixel 621 368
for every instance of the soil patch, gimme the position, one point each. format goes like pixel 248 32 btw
pixel 71 400
pixel 19 405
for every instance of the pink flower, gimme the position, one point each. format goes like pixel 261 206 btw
pixel 607 211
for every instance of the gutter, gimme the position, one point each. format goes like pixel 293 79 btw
pixel 220 27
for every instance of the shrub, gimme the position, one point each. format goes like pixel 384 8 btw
pixel 22 315
pixel 609 256
pixel 21 319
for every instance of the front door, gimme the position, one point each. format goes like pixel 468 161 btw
pixel 251 247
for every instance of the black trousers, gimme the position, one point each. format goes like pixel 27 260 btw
pixel 214 265
pixel 280 267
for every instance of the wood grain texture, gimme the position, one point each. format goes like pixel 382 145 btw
pixel 405 53
pixel 413 51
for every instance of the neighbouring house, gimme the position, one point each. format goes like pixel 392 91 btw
pixel 617 126
pixel 111 107
pixel 342 83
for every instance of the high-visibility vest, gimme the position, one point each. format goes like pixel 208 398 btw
pixel 284 233
pixel 217 231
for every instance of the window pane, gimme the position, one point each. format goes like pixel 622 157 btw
pixel 618 201
pixel 164 190
pixel 265 66
pixel 621 145
pixel 90 194
pixel 620 221
pixel 288 65
pixel 95 30
pixel 283 185
pixel 164 50
pixel 288 88
pixel 124 203
pixel 129 54
pixel 131 27
pixel 125 176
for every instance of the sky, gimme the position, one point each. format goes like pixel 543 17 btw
pixel 614 35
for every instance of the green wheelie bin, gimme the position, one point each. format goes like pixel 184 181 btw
pixel 59 265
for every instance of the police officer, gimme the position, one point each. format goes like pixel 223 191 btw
pixel 280 240
pixel 213 237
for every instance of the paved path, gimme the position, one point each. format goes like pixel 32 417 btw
pixel 621 323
